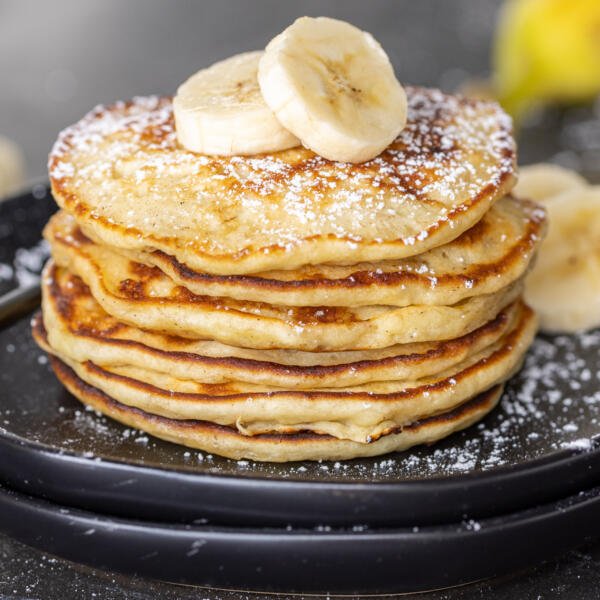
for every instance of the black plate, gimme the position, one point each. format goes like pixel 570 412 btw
pixel 541 444
pixel 368 561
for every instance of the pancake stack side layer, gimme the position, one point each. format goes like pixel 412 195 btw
pixel 285 307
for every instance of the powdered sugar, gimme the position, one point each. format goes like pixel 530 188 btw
pixel 6 272
pixel 26 266
pixel 28 263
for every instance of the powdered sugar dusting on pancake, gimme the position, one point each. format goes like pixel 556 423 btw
pixel 121 171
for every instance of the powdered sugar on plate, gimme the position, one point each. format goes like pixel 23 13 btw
pixel 24 271
pixel 28 263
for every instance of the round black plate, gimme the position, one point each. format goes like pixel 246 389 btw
pixel 376 561
pixel 540 444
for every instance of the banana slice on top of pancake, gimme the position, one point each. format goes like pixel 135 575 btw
pixel 221 111
pixel 333 86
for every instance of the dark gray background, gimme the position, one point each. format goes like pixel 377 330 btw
pixel 60 58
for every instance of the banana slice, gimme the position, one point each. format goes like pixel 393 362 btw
pixel 333 86
pixel 542 181
pixel 11 167
pixel 220 110
pixel 564 286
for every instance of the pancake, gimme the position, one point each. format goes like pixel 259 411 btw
pixel 492 254
pixel 227 441
pixel 358 413
pixel 145 297
pixel 121 173
pixel 283 306
pixel 78 327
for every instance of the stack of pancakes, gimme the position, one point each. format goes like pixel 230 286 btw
pixel 285 307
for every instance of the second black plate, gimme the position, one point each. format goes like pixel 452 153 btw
pixel 350 561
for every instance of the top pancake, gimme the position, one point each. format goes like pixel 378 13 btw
pixel 122 174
